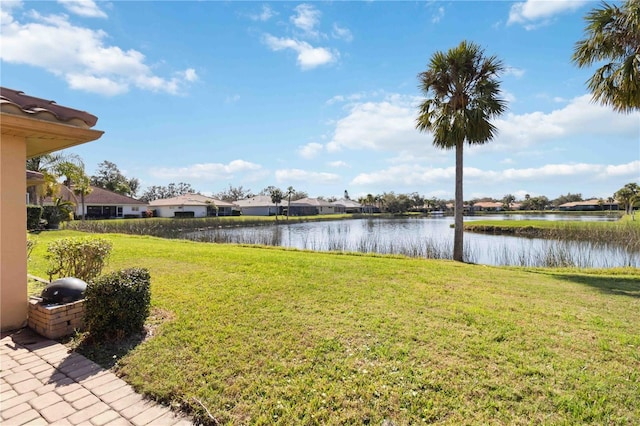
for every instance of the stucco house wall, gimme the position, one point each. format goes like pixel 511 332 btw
pixel 200 205
pixel 13 242
pixel 260 205
pixel 170 211
pixel 30 127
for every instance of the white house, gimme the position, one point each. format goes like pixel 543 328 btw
pixel 320 206
pixel 191 205
pixel 347 206
pixel 260 205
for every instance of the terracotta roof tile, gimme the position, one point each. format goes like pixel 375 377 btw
pixel 31 175
pixel 16 102
pixel 104 196
pixel 189 200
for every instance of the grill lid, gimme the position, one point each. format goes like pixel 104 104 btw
pixel 64 290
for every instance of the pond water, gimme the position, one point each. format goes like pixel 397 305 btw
pixel 431 237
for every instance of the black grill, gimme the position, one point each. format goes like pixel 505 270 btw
pixel 64 290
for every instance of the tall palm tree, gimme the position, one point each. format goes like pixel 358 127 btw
pixel 276 198
pixel 463 94
pixel 289 193
pixel 613 37
pixel 370 201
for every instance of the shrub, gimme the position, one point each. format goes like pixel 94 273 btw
pixel 117 304
pixel 80 257
pixel 34 214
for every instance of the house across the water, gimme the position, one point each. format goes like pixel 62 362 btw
pixel 191 205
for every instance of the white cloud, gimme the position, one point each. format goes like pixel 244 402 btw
pixel 265 14
pixel 533 13
pixel 310 150
pixel 516 72
pixel 306 18
pixel 305 176
pixel 630 169
pixel 232 99
pixel 338 164
pixel 189 75
pixel 418 175
pixel 387 125
pixel 579 117
pixel 401 175
pixel 342 98
pixel 93 84
pixel 86 8
pixel 308 56
pixel 81 57
pixel 341 33
pixel 206 171
pixel 437 17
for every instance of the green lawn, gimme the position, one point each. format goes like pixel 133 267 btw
pixel 273 336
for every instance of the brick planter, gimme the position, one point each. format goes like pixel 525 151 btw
pixel 55 321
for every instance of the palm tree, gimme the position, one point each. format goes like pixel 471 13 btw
pixel 77 181
pixel 613 37
pixel 370 201
pixel 289 193
pixel 52 167
pixel 627 195
pixel 462 94
pixel 507 201
pixel 276 198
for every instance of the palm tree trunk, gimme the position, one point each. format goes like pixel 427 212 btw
pixel 83 208
pixel 459 209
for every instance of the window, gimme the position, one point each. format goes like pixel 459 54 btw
pixel 135 209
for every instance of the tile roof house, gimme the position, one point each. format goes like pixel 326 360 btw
pixel 317 206
pixel 191 205
pixel 347 206
pixel 589 205
pixel 30 127
pixel 102 203
pixel 488 206
pixel 260 205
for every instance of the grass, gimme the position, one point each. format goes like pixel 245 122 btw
pixel 264 335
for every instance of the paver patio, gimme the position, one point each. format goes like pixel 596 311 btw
pixel 41 383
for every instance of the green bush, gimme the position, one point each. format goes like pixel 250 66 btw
pixel 80 257
pixel 34 214
pixel 117 304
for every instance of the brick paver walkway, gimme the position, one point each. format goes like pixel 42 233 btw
pixel 41 383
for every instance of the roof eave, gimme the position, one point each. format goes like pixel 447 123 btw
pixel 44 137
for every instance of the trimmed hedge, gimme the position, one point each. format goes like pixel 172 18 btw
pixel 34 214
pixel 117 304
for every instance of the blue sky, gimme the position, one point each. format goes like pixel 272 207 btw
pixel 321 96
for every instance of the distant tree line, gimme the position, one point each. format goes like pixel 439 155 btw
pixel 69 169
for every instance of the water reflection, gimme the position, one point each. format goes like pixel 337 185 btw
pixel 431 238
